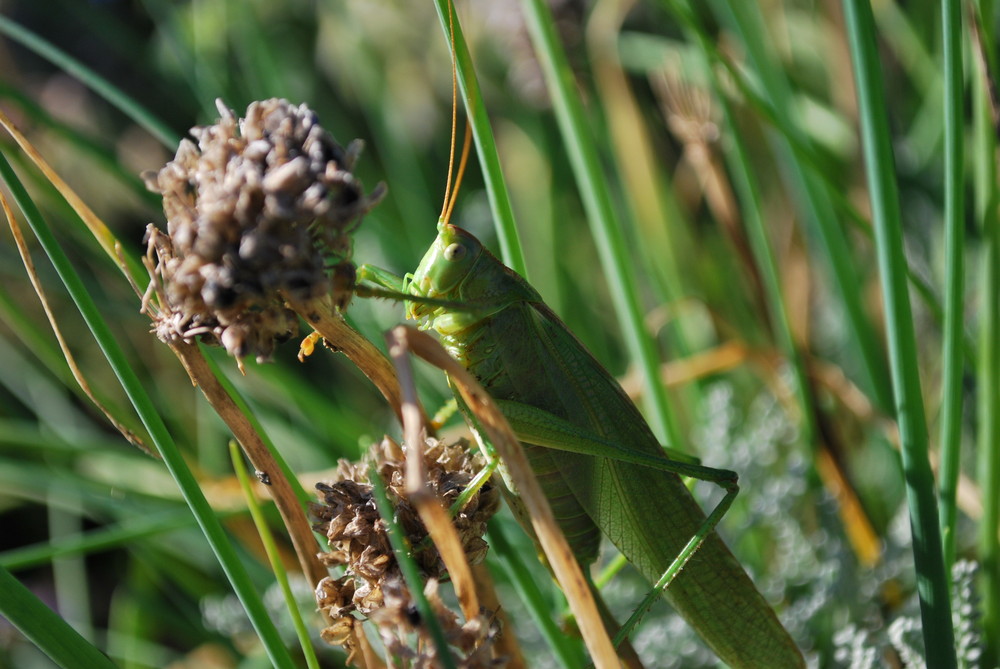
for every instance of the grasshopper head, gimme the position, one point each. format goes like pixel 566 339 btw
pixel 443 269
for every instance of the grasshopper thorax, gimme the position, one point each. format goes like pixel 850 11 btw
pixel 443 269
pixel 459 269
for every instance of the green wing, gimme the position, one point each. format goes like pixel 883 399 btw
pixel 648 514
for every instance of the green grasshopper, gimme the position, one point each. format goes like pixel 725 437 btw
pixel 599 463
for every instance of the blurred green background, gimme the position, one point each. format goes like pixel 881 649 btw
pixel 821 520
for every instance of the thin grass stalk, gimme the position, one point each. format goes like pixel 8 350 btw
pixel 486 148
pixel 954 303
pixel 150 417
pixel 117 416
pixel 273 555
pixel 814 199
pixel 104 88
pixel 44 628
pixel 987 192
pixel 932 578
pixel 607 233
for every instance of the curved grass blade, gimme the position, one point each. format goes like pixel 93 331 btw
pixel 45 628
pixel 193 495
pixel 273 556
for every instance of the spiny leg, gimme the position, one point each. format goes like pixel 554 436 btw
pixel 545 429
pixel 692 546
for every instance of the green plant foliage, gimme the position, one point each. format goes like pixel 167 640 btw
pixel 777 193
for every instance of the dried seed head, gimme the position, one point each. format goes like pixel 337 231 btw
pixel 348 517
pixel 259 206
pixel 399 621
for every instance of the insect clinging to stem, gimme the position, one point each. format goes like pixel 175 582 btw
pixel 602 468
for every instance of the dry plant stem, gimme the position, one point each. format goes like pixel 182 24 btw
pixel 366 657
pixel 676 373
pixel 322 316
pixel 564 565
pixel 506 643
pixel 281 490
pixel 434 516
pixel 29 267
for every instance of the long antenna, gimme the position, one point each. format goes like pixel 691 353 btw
pixel 451 192
pixel 466 145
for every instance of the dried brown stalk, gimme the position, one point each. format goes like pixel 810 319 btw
pixel 434 516
pixel 285 499
pixel 561 559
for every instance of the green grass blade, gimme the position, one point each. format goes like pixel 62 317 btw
pixel 273 556
pixel 567 651
pixel 954 307
pixel 932 578
pixel 486 148
pixel 94 81
pixel 605 229
pixel 45 628
pixel 172 457
pixel 987 206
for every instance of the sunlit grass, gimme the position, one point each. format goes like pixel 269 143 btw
pixel 744 215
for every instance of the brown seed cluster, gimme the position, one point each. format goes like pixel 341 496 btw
pixel 397 622
pixel 261 206
pixel 373 586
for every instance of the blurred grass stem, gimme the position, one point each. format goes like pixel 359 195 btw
pixel 954 307
pixel 932 578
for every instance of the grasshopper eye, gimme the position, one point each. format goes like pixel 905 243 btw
pixel 455 252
